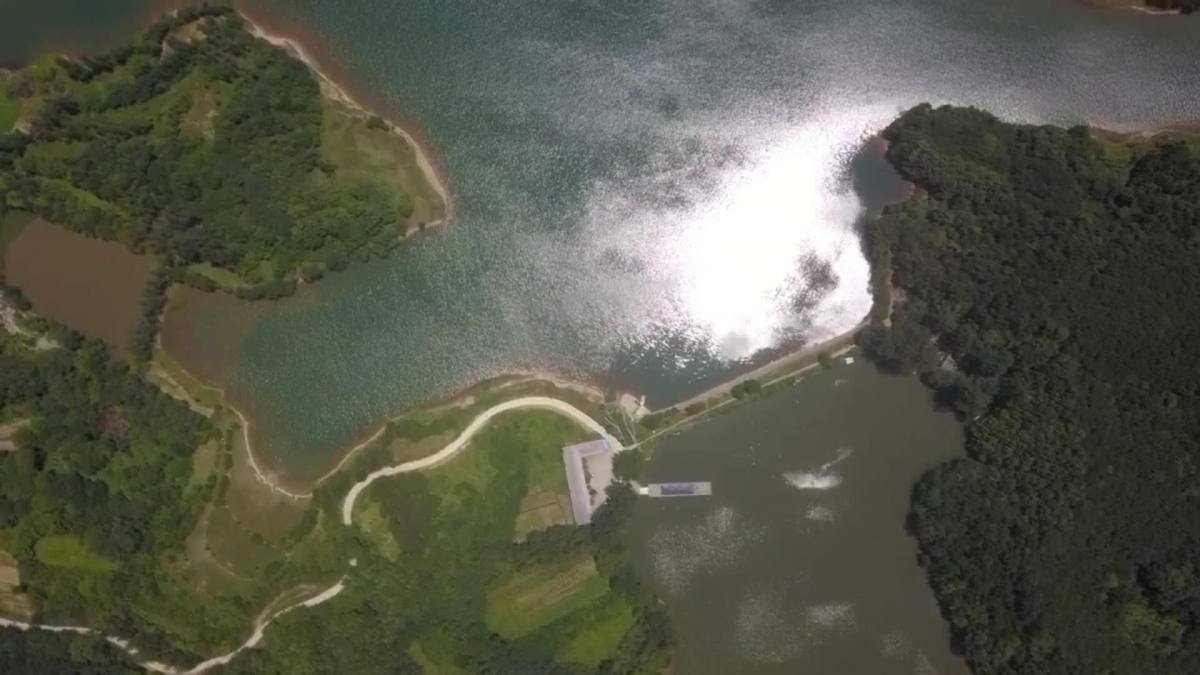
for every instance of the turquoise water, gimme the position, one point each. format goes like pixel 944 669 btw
pixel 646 191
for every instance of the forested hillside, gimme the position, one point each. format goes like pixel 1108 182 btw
pixel 97 497
pixel 54 653
pixel 210 148
pixel 1048 288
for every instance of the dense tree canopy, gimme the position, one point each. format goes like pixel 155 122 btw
pixel 96 497
pixel 200 143
pixel 1049 282
pixel 53 653
pixel 1185 6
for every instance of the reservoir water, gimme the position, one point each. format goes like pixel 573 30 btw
pixel 646 191
pixel 651 191
pixel 799 562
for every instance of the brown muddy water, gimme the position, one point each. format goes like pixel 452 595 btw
pixel 800 562
pixel 91 285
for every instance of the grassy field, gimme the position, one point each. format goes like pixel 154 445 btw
pixel 597 633
pixel 361 150
pixel 536 596
pixel 548 501
pixel 260 510
pixel 373 523
pixel 68 552
pixel 222 277
pixel 204 462
pixel 238 549
pixel 435 656
pixel 540 510
pixel 450 527
pixel 10 109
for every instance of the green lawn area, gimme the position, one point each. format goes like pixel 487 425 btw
pixel 546 473
pixel 547 501
pixel 540 510
pixel 204 461
pixel 536 596
pixel 223 277
pixel 374 525
pixel 10 109
pixel 361 152
pixel 599 635
pixel 64 550
pixel 434 656
pixel 471 468
pixel 237 548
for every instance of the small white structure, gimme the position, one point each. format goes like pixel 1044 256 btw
pixel 589 468
pixel 689 489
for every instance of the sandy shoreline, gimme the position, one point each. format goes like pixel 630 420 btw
pixel 276 480
pixel 337 92
pixel 1144 133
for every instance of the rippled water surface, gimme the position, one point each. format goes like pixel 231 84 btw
pixel 648 191
pixel 799 561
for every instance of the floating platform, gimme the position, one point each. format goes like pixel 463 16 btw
pixel 694 489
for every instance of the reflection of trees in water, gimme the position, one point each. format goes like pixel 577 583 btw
pixel 816 278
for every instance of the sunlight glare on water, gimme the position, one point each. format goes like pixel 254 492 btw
pixel 765 251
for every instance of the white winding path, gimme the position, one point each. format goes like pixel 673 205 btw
pixel 455 446
pixel 447 452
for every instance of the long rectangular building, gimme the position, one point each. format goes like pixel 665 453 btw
pixel 589 472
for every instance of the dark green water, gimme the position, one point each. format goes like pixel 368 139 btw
pixel 799 563
pixel 74 26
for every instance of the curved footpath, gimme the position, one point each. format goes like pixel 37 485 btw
pixel 446 453
pixel 451 449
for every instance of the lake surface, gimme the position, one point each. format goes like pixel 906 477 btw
pixel 72 26
pixel 647 191
pixel 799 562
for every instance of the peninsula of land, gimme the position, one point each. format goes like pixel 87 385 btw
pixel 232 162
pixel 1048 279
